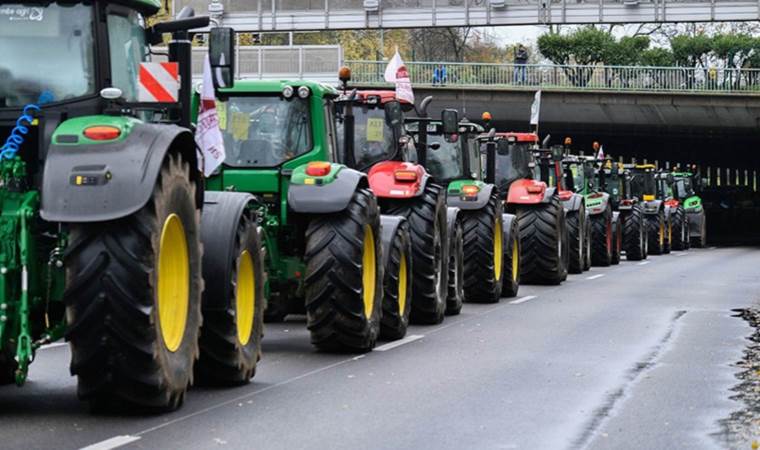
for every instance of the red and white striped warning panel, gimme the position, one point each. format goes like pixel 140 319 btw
pixel 159 82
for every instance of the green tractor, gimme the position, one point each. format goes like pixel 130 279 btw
pixel 686 187
pixel 108 237
pixel 615 179
pixel 330 254
pixel 490 237
pixel 582 174
pixel 644 187
pixel 678 230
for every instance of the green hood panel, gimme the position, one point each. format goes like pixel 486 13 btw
pixel 300 177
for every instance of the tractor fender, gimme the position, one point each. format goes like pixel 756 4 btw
pixel 506 225
pixel 549 194
pixel 574 203
pixel 329 197
pixel 528 192
pixel 695 223
pixel 382 179
pixel 454 198
pixel 597 203
pixel 652 206
pixel 389 226
pixel 110 180
pixel 452 217
pixel 221 216
pixel 615 218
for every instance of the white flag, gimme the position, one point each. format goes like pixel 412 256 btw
pixel 208 136
pixel 600 155
pixel 396 72
pixel 535 109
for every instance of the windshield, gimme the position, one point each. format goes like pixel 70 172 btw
pixel 512 163
pixel 444 159
pixel 47 53
pixel 264 131
pixel 642 184
pixel 373 136
pixel 683 188
pixel 575 171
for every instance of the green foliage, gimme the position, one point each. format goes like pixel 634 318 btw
pixel 690 51
pixel 587 45
pixel 657 57
pixel 628 51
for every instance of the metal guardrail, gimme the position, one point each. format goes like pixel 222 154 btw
pixel 614 78
pixel 313 62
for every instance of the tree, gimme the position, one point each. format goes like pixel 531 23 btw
pixel 586 46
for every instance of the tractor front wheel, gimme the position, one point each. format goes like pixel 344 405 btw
pixel 576 231
pixel 617 244
pixel 456 270
pixel 511 284
pixel 541 243
pixel 602 238
pixel 634 234
pixel 344 276
pixel 133 298
pixel 397 286
pixel 680 229
pixel 656 233
pixel 483 252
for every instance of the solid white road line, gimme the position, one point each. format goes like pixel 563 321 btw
pixel 114 442
pixel 522 299
pixel 399 343
pixel 643 263
pixel 594 277
pixel 682 254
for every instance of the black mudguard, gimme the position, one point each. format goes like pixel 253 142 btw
pixel 506 220
pixel 452 216
pixel 484 196
pixel 574 203
pixel 389 225
pixel 115 179
pixel 695 223
pixel 326 198
pixel 222 212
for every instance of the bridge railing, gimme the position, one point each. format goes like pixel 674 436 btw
pixel 575 77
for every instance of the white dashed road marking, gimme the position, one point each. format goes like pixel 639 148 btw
pixel 594 277
pixel 400 342
pixel 522 299
pixel 114 442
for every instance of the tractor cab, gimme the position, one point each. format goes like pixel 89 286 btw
pixel 613 179
pixel 512 157
pixel 643 184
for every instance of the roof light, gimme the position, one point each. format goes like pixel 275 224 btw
pixel 288 92
pixel 470 190
pixel 102 133
pixel 304 92
pixel 405 175
pixel 344 74
pixel 534 189
pixel 318 168
pixel 486 116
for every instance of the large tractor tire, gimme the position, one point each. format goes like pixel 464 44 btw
pixel 680 229
pixel 426 215
pixel 541 231
pixel 656 233
pixel 617 244
pixel 455 298
pixel 634 234
pixel 668 233
pixel 233 325
pixel 343 283
pixel 576 232
pixel 397 285
pixel 602 238
pixel 133 298
pixel 511 282
pixel 587 245
pixel 483 252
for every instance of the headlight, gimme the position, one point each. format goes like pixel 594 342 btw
pixel 287 92
pixel 304 92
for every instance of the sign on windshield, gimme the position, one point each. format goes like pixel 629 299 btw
pixel 26 21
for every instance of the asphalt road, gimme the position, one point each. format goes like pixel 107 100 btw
pixel 632 356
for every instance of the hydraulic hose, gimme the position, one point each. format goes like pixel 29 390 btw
pixel 19 132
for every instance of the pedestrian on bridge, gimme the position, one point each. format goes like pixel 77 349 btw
pixel 521 59
pixel 439 75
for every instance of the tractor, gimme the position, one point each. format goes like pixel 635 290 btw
pixel 372 139
pixel 581 173
pixel 511 166
pixel 644 187
pixel 678 232
pixel 687 187
pixel 490 238
pixel 329 252
pixel 109 234
pixel 615 179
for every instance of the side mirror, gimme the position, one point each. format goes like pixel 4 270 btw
pixel 450 121
pixel 393 114
pixel 558 153
pixel 221 51
pixel 502 147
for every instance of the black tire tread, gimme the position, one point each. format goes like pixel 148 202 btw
pixel 480 283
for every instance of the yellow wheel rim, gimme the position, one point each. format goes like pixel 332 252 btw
pixel 173 282
pixel 245 297
pixel 369 271
pixel 662 234
pixel 515 261
pixel 402 283
pixel 498 249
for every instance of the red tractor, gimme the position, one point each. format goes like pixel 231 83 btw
pixel 512 166
pixel 372 139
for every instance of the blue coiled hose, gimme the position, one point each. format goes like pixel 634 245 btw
pixel 19 132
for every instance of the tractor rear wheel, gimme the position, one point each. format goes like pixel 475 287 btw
pixel 634 234
pixel 602 238
pixel 511 282
pixel 656 233
pixel 426 215
pixel 455 298
pixel 617 245
pixel 541 246
pixel 343 280
pixel 680 229
pixel 230 340
pixel 576 223
pixel 483 252
pixel 397 286
pixel 133 298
